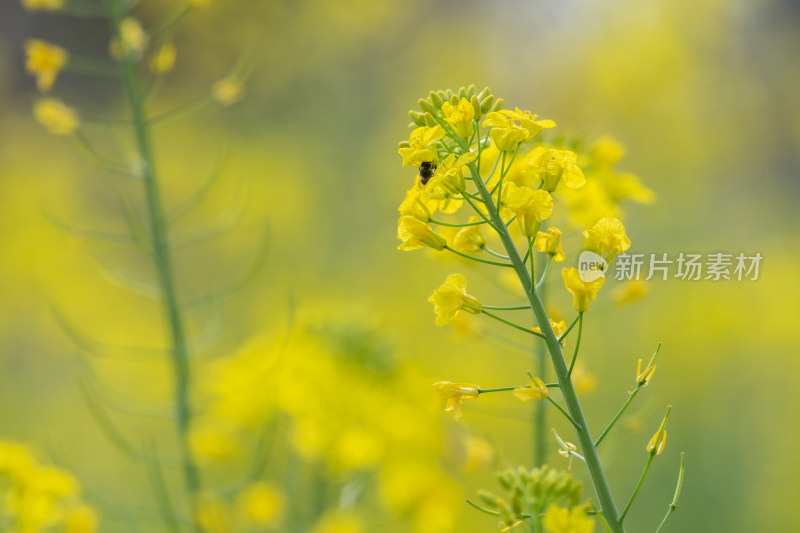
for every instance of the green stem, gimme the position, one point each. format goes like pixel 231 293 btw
pixel 638 485
pixel 492 252
pixel 564 336
pixel 500 389
pixel 674 504
pixel 508 308
pixel 478 259
pixel 163 263
pixel 440 223
pixel 601 487
pixel 505 389
pixel 631 396
pixel 549 399
pixel 504 321
pixel 540 416
pixel 544 273
pixel 577 344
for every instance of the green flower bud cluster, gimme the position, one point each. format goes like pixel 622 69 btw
pixel 482 102
pixel 531 492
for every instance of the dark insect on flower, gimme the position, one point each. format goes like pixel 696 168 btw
pixel 426 169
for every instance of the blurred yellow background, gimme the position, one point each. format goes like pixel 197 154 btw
pixel 334 341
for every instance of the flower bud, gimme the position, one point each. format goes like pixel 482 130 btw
pixel 487 498
pixel 486 103
pixel 657 442
pixel 418 118
pixel 426 106
pixel 435 99
pixel 429 120
pixel 475 106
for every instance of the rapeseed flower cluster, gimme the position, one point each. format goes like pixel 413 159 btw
pixel 37 497
pixel 377 432
pixel 500 165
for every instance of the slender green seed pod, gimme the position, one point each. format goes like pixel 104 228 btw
pixel 418 118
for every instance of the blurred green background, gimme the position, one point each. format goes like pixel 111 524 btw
pixel 703 96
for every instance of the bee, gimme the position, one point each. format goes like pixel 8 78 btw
pixel 426 170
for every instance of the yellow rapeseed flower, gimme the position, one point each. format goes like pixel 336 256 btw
pixel 582 292
pixel 470 238
pixel 43 5
pixel 528 121
pixel 81 519
pixel 607 238
pixel 455 394
pixel 659 439
pixel 550 243
pixel 421 148
pixel 15 460
pixel 530 206
pixel 505 133
pixel 554 166
pixel 261 504
pixel 534 391
pixel 559 328
pixel 657 442
pixel 452 297
pixel 416 204
pixel 55 116
pixel 132 40
pixel 560 520
pixel 606 151
pixel 449 174
pixel 630 291
pixel 460 117
pixel 644 377
pixel 416 234
pixel 45 61
pixel 163 60
pixel 228 90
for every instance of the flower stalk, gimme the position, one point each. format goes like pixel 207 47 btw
pixel 162 260
pixel 607 505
